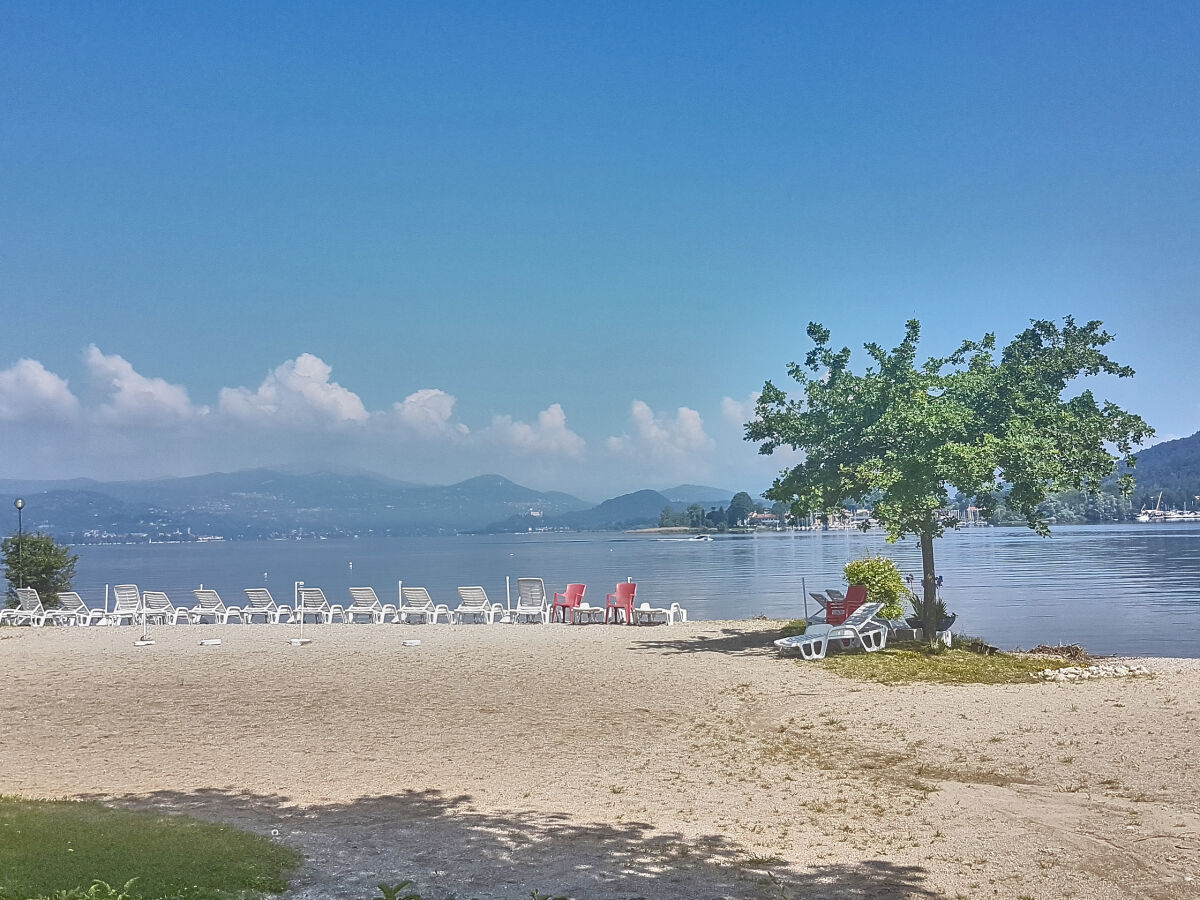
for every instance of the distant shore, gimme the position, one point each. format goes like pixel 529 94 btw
pixel 667 762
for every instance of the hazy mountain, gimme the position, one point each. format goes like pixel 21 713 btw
pixel 1172 467
pixel 640 509
pixel 265 503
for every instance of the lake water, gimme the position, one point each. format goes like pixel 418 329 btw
pixel 1131 589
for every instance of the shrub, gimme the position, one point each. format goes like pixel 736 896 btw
pixel 38 561
pixel 883 581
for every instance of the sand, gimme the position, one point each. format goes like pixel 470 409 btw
pixel 610 762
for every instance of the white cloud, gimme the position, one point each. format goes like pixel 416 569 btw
pixel 661 438
pixel 739 413
pixel 29 391
pixel 132 398
pixel 297 392
pixel 550 436
pixel 428 413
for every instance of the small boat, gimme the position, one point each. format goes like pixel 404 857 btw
pixel 700 537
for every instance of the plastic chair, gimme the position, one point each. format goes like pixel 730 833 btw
pixel 621 600
pixel 567 601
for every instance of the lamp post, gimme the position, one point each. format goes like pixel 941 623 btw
pixel 20 505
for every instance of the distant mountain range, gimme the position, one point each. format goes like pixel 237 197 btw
pixel 262 503
pixel 1172 467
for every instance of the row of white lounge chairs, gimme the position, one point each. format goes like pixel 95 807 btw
pixel 137 607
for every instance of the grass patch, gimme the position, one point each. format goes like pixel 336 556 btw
pixel 916 662
pixel 62 845
pixel 793 628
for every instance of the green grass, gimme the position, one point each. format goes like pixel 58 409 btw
pixel 50 846
pixel 916 662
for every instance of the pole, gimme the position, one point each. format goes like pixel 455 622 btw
pixel 804 590
pixel 20 505
pixel 296 605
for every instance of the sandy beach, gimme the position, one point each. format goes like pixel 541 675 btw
pixel 663 763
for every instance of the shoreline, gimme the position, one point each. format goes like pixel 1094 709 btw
pixel 671 762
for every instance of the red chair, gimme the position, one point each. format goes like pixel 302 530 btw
pixel 622 599
pixel 567 602
pixel 837 612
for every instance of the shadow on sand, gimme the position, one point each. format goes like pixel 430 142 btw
pixel 731 640
pixel 450 848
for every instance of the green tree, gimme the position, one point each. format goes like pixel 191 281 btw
pixel 740 508
pixel 695 516
pixel 909 432
pixel 38 561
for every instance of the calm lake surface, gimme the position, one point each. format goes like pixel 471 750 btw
pixel 1132 589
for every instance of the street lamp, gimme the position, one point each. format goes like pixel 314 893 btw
pixel 20 505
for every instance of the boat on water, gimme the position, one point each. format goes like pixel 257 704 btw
pixel 1158 514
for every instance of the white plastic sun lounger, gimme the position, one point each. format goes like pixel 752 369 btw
pixel 860 626
pixel 259 602
pixel 29 610
pixel 157 607
pixel 645 614
pixel 127 605
pixel 71 610
pixel 313 603
pixel 586 614
pixel 475 606
pixel 209 605
pixel 531 601
pixel 419 605
pixel 366 603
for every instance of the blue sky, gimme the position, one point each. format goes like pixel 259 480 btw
pixel 562 242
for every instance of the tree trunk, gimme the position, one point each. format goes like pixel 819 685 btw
pixel 929 582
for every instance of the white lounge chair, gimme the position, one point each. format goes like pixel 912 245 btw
pixel 366 603
pixel 419 605
pixel 157 607
pixel 209 605
pixel 586 614
pixel 127 605
pixel 313 603
pixel 29 609
pixel 475 606
pixel 259 602
pixel 860 626
pixel 645 614
pixel 71 610
pixel 531 601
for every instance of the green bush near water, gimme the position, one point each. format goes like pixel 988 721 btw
pixel 883 581
pixel 60 850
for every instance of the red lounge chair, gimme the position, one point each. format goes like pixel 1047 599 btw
pixel 567 602
pixel 622 599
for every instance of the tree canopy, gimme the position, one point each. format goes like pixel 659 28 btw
pixel 38 561
pixel 904 433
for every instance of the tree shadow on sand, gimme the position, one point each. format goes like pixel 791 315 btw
pixel 732 640
pixel 450 848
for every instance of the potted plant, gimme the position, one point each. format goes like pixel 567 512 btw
pixel 917 619
pixel 883 582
